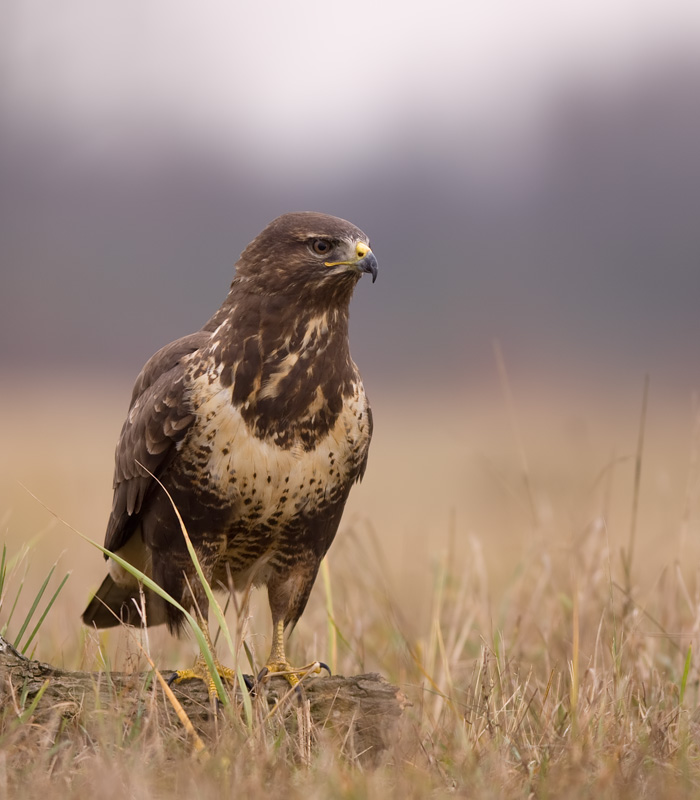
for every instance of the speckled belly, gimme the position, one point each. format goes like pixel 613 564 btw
pixel 269 488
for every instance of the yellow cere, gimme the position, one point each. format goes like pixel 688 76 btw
pixel 361 250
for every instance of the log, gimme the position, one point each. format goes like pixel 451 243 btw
pixel 361 714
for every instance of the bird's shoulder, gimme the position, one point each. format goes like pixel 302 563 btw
pixel 167 359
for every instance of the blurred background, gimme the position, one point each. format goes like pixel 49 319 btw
pixel 527 172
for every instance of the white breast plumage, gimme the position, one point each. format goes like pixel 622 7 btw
pixel 259 477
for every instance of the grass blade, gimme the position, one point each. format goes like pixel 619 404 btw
pixel 686 672
pixel 29 616
pixel 218 613
pixel 26 715
pixel 154 587
pixel 6 626
pixel 330 616
pixel 46 611
pixel 3 570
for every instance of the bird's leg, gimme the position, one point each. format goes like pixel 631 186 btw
pixel 278 664
pixel 200 669
pixel 288 595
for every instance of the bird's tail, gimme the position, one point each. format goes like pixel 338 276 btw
pixel 114 604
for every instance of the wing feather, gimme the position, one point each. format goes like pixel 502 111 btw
pixel 159 417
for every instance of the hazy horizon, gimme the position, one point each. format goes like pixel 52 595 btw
pixel 527 175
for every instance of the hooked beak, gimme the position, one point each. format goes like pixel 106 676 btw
pixel 365 261
pixel 369 264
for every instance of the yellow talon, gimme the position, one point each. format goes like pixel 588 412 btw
pixel 200 670
pixel 277 663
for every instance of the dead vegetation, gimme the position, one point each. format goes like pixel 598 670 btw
pixel 575 676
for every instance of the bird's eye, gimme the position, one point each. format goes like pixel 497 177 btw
pixel 322 247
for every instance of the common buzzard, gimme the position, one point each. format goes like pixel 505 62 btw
pixel 257 425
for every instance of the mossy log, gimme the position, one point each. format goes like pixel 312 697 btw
pixel 361 714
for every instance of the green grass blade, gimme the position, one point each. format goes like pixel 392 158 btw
pixel 6 626
pixel 29 616
pixel 194 625
pixel 686 672
pixel 46 611
pixel 218 613
pixel 330 618
pixel 245 695
pixel 3 571
pixel 154 587
pixel 26 715
pixel 341 637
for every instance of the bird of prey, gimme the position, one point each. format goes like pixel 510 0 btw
pixel 258 426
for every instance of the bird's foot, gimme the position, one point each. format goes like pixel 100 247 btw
pixel 294 675
pixel 200 671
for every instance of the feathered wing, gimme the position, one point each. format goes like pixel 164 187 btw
pixel 363 462
pixel 159 417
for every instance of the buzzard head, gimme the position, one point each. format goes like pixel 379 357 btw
pixel 307 253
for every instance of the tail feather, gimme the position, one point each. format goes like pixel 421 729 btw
pixel 114 604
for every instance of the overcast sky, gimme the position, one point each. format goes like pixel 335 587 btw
pixel 525 170
pixel 292 80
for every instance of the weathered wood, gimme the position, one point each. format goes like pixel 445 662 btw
pixel 360 713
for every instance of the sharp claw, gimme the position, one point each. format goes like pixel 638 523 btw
pixel 172 679
pixel 326 667
pixel 250 683
pixel 264 672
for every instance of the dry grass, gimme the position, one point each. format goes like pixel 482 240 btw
pixel 542 657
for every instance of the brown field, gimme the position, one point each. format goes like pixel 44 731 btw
pixel 480 566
